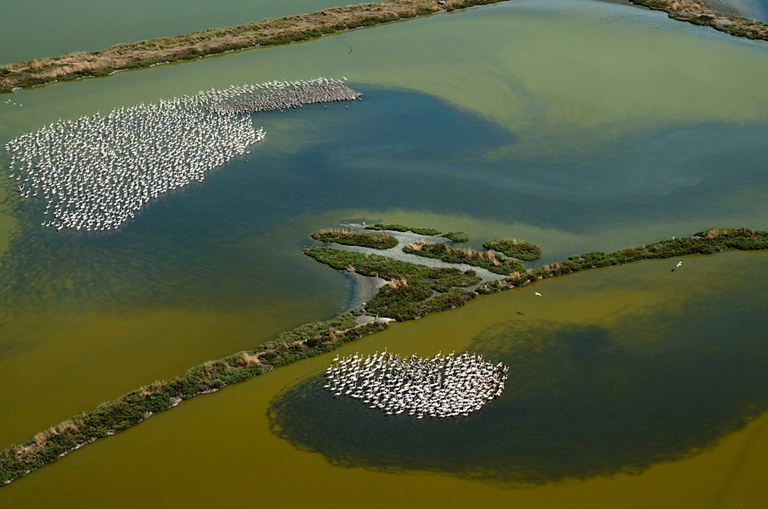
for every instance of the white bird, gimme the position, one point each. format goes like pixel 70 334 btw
pixel 537 294
pixel 85 167
pixel 679 264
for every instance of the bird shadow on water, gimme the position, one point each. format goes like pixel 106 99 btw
pixel 576 405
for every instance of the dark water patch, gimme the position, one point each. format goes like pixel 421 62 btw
pixel 581 401
pixel 232 240
pixel 402 151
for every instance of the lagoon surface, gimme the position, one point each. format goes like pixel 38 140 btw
pixel 578 125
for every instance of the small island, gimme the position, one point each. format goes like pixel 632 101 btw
pixel 411 291
pixel 350 238
pixel 488 260
pixel 514 248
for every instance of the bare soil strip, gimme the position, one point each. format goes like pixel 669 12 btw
pixel 268 32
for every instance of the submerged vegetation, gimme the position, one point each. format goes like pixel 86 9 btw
pixel 413 291
pixel 514 248
pixel 352 238
pixel 269 32
pixel 485 259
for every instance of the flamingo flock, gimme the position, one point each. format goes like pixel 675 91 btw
pixel 283 95
pixel 443 386
pixel 96 172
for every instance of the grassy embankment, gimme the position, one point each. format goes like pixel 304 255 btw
pixel 699 13
pixel 351 238
pixel 413 291
pixel 485 259
pixel 520 249
pixel 710 241
pixel 130 409
pixel 456 237
pixel 269 32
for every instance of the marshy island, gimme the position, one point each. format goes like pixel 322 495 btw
pixel 410 285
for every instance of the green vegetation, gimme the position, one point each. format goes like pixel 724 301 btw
pixel 710 241
pixel 269 32
pixel 484 259
pixel 519 249
pixel 132 408
pixel 413 291
pixel 405 300
pixel 440 279
pixel 457 237
pixel 350 238
pixel 402 228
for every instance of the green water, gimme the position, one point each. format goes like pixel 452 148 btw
pixel 652 383
pixel 217 450
pixel 47 28
pixel 569 124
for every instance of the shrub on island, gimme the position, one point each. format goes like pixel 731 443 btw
pixel 394 227
pixel 350 238
pixel 130 409
pixel 457 237
pixel 520 249
pixel 439 278
pixel 483 259
pixel 413 290
pixel 411 302
pixel 710 241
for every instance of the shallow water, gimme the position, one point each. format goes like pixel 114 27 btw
pixel 224 441
pixel 478 121
pixel 592 391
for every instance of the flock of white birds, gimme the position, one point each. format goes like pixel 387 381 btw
pixel 443 386
pixel 96 172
